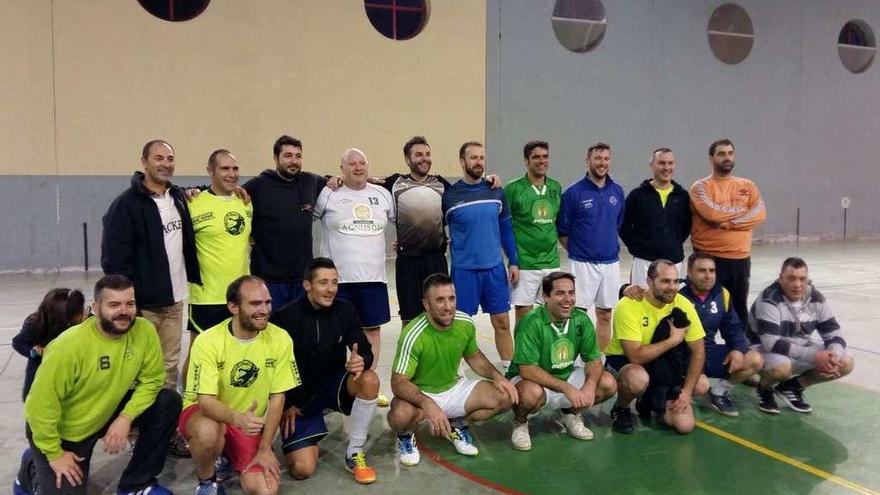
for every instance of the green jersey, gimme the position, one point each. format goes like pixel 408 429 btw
pixel 84 377
pixel 533 211
pixel 553 347
pixel 430 357
pixel 222 226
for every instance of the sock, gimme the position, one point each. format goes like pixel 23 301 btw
pixel 457 423
pixel 361 415
pixel 505 364
pixel 212 479
pixel 566 410
pixel 722 387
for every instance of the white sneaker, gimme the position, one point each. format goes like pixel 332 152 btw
pixel 463 441
pixel 574 425
pixel 409 452
pixel 520 437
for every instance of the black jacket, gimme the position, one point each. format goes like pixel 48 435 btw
pixel 23 343
pixel 651 231
pixel 282 228
pixel 320 339
pixel 133 243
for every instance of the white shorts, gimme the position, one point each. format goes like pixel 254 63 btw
pixel 596 284
pixel 527 291
pixel 453 400
pixel 557 400
pixel 639 273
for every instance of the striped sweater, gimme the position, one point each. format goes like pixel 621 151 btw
pixel 785 327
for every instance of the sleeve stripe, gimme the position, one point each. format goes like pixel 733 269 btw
pixel 406 348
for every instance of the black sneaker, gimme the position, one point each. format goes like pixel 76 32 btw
pixel 724 404
pixel 767 401
pixel 179 448
pixel 792 393
pixel 622 420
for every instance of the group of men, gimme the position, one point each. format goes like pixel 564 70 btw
pixel 282 336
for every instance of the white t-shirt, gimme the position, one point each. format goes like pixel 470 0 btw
pixel 353 231
pixel 172 225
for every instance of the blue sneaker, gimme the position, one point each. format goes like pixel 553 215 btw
pixel 17 487
pixel 223 469
pixel 209 488
pixel 154 489
pixel 409 452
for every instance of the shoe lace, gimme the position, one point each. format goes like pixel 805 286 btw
pixel 406 443
pixel 359 460
pixel 464 434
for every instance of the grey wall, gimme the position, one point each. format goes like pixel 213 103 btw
pixel 805 128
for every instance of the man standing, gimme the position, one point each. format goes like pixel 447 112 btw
pixel 425 377
pixel 534 203
pixel 479 226
pixel 590 215
pixel 544 370
pixel 324 329
pixel 222 224
pixel 239 372
pixel 656 219
pixel 783 320
pixel 353 220
pixel 97 380
pixel 148 237
pixel 645 350
pixel 726 210
pixel 731 361
pixel 283 200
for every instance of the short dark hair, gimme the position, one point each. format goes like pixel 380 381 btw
pixel 699 255
pixel 793 262
pixel 145 153
pixel 435 280
pixel 527 149
pixel 662 149
pixel 412 142
pixel 233 292
pixel 547 282
pixel 316 264
pixel 113 282
pixel 285 140
pixel 215 155
pixel 720 142
pixel 655 265
pixel 58 312
pixel 464 147
pixel 600 146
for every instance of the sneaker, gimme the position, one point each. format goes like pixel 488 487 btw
pixel 223 469
pixel 179 448
pixel 209 488
pixel 767 401
pixel 792 393
pixel 382 400
pixel 409 452
pixel 463 441
pixel 357 465
pixel 17 487
pixel 724 404
pixel 622 420
pixel 574 425
pixel 520 437
pixel 154 489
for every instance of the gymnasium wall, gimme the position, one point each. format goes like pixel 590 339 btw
pixel 87 82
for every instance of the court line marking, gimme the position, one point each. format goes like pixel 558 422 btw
pixel 440 461
pixel 787 460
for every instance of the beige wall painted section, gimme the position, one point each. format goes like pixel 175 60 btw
pixel 238 76
pixel 26 120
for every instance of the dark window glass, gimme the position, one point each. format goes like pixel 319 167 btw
pixel 856 46
pixel 397 19
pixel 175 10
pixel 579 25
pixel 730 33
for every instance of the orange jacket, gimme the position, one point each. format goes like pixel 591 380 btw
pixel 726 209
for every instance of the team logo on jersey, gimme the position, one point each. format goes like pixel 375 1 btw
pixel 587 203
pixel 243 374
pixel 362 222
pixel 234 223
pixel 542 212
pixel 561 354
pixel 612 200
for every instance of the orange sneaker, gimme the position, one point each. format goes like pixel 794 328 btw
pixel 358 466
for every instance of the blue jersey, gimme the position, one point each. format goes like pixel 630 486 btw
pixel 717 315
pixel 590 217
pixel 479 225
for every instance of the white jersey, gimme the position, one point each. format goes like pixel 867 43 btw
pixel 353 231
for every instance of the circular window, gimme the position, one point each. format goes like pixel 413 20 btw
pixel 856 46
pixel 579 25
pixel 175 10
pixel 397 19
pixel 731 34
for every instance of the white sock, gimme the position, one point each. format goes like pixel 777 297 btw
pixel 361 415
pixel 505 364
pixel 721 387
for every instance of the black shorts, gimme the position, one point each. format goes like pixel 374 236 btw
pixel 205 316
pixel 411 272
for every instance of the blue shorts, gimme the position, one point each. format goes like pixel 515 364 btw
pixel 284 292
pixel 714 367
pixel 370 301
pixel 309 428
pixel 486 288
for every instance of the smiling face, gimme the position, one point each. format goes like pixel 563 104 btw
pixel 252 313
pixel 115 310
pixel 354 168
pixel 560 302
pixel 599 163
pixel 794 282
pixel 538 162
pixel 224 174
pixel 159 164
pixel 321 289
pixel 474 162
pixel 664 285
pixel 419 160
pixel 663 167
pixel 439 303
